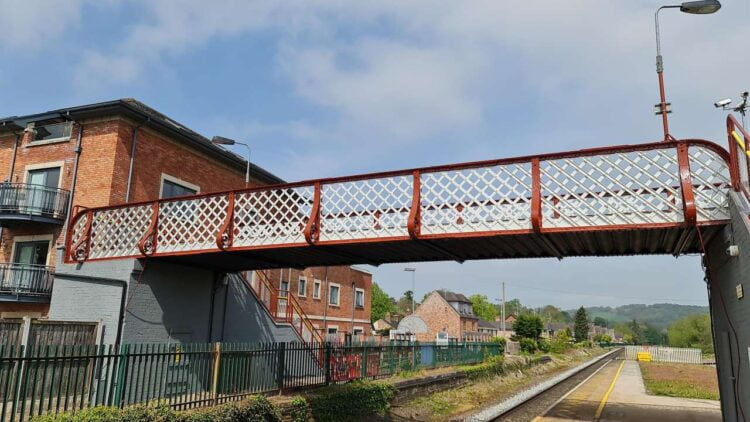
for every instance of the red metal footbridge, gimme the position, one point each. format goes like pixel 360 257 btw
pixel 623 200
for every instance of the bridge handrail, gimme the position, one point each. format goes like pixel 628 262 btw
pixel 540 191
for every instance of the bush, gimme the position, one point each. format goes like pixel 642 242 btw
pixel 528 345
pixel 254 408
pixel 351 401
pixel 543 345
pixel 493 365
pixel 299 410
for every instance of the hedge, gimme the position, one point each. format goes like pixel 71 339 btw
pixel 351 401
pixel 252 409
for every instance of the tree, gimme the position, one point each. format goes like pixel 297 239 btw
pixel 653 335
pixel 482 307
pixel 404 304
pixel 528 326
pixel 600 321
pixel 381 303
pixel 581 327
pixel 692 331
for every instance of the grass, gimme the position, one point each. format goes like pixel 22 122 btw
pixel 680 380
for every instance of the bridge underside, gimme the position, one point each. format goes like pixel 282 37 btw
pixel 671 241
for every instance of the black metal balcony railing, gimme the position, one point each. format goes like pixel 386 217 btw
pixel 29 201
pixel 26 279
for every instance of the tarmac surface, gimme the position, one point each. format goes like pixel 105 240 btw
pixel 616 393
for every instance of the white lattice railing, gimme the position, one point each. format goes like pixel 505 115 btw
pixel 632 187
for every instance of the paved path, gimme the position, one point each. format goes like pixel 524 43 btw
pixel 617 393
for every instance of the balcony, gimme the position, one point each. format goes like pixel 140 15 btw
pixel 21 202
pixel 26 282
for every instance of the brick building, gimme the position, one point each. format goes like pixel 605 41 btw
pixel 444 311
pixel 335 299
pixel 103 154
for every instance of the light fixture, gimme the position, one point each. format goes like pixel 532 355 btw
pixel 702 7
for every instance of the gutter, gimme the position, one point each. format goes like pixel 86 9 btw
pixel 132 158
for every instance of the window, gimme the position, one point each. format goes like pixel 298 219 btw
pixel 332 329
pixel 316 289
pixel 170 189
pixel 54 131
pixel 49 177
pixel 334 291
pixel 359 298
pixel 302 287
pixel 284 289
pixel 358 331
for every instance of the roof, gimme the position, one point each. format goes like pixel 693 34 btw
pixel 497 325
pixel 140 112
pixel 453 297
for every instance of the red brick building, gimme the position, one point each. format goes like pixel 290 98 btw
pixel 335 299
pixel 444 311
pixel 111 153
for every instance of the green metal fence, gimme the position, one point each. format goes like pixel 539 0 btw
pixel 54 379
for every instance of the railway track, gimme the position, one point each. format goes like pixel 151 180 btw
pixel 526 406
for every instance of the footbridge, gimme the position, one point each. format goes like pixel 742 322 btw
pixel 624 200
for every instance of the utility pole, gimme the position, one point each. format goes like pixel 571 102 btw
pixel 502 311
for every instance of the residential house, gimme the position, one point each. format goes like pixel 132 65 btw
pixel 449 312
pixel 56 163
pixel 336 299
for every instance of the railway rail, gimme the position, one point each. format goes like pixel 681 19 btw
pixel 534 402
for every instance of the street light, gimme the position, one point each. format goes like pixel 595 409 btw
pixel 413 272
pixel 220 140
pixel 702 7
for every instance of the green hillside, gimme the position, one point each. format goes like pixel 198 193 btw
pixel 659 314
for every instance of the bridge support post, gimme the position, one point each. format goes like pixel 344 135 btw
pixel 726 279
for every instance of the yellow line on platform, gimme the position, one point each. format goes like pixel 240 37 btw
pixel 600 409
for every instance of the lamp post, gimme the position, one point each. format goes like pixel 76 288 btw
pixel 702 7
pixel 220 140
pixel 413 272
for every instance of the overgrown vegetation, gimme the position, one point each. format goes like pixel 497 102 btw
pixel 299 410
pixel 254 408
pixel 692 331
pixel 528 326
pixel 351 401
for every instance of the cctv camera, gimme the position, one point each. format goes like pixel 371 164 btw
pixel 723 103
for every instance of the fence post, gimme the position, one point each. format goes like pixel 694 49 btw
pixel 414 356
pixel 215 374
pixel 364 360
pixel 327 363
pixel 280 366
pixel 122 367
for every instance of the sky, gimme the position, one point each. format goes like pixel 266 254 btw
pixel 329 88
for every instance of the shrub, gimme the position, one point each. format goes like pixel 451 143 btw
pixel 528 345
pixel 299 410
pixel 493 365
pixel 543 345
pixel 254 408
pixel 351 401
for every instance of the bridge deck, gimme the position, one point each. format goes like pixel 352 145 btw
pixel 635 199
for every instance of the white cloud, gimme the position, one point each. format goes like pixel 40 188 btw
pixel 27 25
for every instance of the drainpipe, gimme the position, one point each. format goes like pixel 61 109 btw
pixel 132 157
pixel 354 302
pixel 75 179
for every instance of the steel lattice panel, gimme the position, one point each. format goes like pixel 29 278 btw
pixel 190 224
pixel 476 199
pixel 630 188
pixel 710 178
pixel 362 209
pixel 117 231
pixel 272 217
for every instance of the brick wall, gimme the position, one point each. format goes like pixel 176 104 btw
pixel 439 316
pixel 347 278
